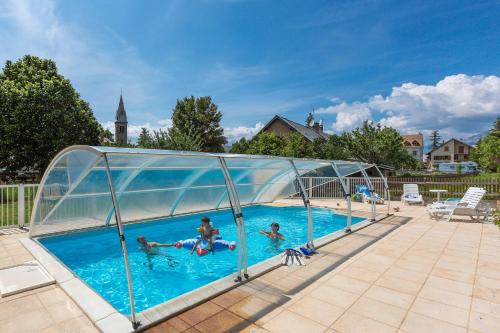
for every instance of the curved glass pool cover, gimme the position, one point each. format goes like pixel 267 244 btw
pixel 89 187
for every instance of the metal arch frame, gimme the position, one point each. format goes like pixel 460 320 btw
pixel 307 204
pixel 347 196
pixel 371 189
pixel 127 182
pixel 71 189
pixel 243 175
pixel 238 219
pixel 386 187
pixel 118 218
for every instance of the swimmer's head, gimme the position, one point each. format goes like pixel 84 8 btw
pixel 275 226
pixel 205 220
pixel 142 240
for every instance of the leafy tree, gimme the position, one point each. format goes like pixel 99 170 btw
pixel 40 114
pixel 296 146
pixel 106 136
pixel 241 146
pixel 309 119
pixel 487 150
pixel 196 122
pixel 379 145
pixel 435 139
pixel 266 143
pixel 145 139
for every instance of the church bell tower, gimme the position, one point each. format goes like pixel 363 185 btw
pixel 121 123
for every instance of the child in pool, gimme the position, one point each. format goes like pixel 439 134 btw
pixel 151 247
pixel 274 233
pixel 206 230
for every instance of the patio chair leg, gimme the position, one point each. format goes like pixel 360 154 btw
pixel 449 217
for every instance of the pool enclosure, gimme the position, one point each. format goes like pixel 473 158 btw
pixel 94 187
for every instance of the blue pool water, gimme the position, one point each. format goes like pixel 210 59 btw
pixel 96 257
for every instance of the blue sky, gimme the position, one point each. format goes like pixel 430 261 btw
pixel 414 65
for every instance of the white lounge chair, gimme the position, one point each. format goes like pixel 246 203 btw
pixel 469 205
pixel 411 195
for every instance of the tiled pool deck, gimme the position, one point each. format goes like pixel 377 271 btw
pixel 407 273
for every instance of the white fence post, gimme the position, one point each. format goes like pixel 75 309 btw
pixel 20 205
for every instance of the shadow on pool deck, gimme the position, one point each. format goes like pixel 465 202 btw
pixel 277 294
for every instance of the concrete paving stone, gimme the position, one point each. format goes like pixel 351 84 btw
pixel 335 296
pixel 453 275
pixel 484 323
pixel 351 322
pixel 483 306
pixel 317 310
pixel 395 283
pixel 417 323
pixel 440 311
pixel 446 297
pixel 348 283
pixel 390 296
pixel 383 312
pixel 200 313
pixel 450 285
pixel 223 321
pixel 288 321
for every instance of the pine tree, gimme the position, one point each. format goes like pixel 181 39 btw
pixel 309 119
pixel 435 139
pixel 196 122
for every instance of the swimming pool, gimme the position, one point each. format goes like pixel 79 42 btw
pixel 95 256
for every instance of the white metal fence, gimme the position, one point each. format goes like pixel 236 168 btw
pixel 16 204
pixel 329 187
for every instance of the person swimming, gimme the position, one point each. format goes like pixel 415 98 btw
pixel 151 250
pixel 206 232
pixel 274 233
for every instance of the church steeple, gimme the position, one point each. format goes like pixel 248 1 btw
pixel 121 123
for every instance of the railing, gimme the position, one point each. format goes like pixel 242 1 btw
pixel 455 185
pixel 16 204
pixel 330 187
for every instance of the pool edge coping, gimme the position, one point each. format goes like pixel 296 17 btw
pixel 107 319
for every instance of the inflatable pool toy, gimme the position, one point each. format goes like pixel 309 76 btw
pixel 218 244
pixel 308 249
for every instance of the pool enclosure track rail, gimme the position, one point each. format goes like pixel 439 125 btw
pixel 371 189
pixel 238 217
pixel 119 225
pixel 386 188
pixel 307 204
pixel 347 195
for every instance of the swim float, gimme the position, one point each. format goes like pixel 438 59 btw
pixel 218 244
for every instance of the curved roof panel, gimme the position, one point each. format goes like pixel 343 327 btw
pixel 149 184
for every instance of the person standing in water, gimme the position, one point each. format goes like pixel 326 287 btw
pixel 274 233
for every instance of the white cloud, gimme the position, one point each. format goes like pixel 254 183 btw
pixel 96 70
pixel 458 105
pixel 235 133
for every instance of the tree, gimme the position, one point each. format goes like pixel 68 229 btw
pixel 309 119
pixel 266 143
pixel 379 145
pixel 487 150
pixel 40 114
pixel 196 122
pixel 240 147
pixel 295 145
pixel 435 139
pixel 145 139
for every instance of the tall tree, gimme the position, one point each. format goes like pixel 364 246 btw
pixel 295 145
pixel 435 139
pixel 145 139
pixel 40 114
pixel 196 122
pixel 379 145
pixel 309 119
pixel 487 150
